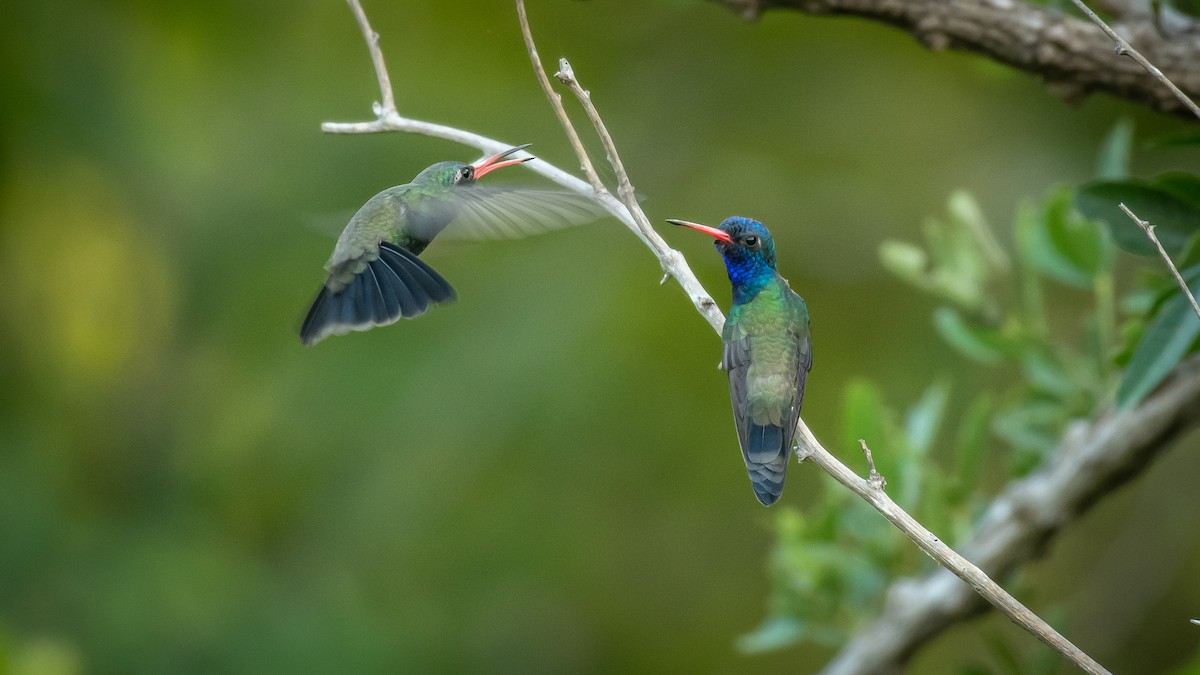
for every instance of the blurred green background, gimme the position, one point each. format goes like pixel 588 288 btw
pixel 542 477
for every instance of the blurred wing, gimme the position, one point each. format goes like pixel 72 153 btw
pixel 327 223
pixel 485 212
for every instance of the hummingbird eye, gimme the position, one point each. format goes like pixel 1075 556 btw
pixel 750 242
pixel 465 173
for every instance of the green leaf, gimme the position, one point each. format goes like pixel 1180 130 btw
pixel 1188 7
pixel 1175 140
pixel 984 345
pixel 1032 428
pixel 1175 220
pixel 1114 150
pixel 921 425
pixel 905 260
pixel 1131 336
pixel 1168 338
pixel 1042 238
pixel 1190 255
pixel 1005 654
pixel 1082 244
pixel 970 444
pixel 965 211
pixel 923 420
pixel 774 633
pixel 1183 185
pixel 1046 374
pixel 865 415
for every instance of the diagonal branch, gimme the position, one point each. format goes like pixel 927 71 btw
pixel 871 489
pixel 585 162
pixel 1149 230
pixel 1093 459
pixel 1070 54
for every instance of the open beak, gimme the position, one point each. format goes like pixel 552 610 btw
pixel 713 232
pixel 498 161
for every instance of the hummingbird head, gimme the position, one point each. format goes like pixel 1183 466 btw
pixel 747 247
pixel 451 174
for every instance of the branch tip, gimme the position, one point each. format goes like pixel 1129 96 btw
pixel 876 479
pixel 1148 228
pixel 585 162
pixel 1125 49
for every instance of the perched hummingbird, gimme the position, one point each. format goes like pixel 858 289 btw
pixel 375 276
pixel 768 351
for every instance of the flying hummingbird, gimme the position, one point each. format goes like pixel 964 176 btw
pixel 375 276
pixel 768 351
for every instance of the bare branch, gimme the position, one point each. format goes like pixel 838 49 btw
pixel 585 162
pixel 1149 230
pixel 672 261
pixel 1093 459
pixel 388 105
pixel 1126 49
pixel 873 494
pixel 1070 54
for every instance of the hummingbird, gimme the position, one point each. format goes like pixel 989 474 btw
pixel 375 274
pixel 767 352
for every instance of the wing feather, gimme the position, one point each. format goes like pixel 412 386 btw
pixel 487 212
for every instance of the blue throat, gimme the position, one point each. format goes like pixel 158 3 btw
pixel 748 275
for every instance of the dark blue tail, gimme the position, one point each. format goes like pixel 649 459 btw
pixel 767 451
pixel 396 284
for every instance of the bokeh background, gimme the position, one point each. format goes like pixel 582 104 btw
pixel 544 476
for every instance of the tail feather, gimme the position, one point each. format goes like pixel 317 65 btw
pixel 436 289
pixel 767 451
pixel 396 284
pixel 379 303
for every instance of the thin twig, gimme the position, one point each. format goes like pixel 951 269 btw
pixel 672 261
pixel 876 479
pixel 1149 230
pixel 674 264
pixel 1126 49
pixel 388 104
pixel 585 162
